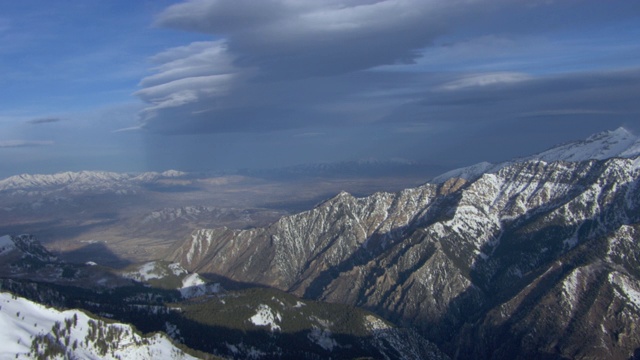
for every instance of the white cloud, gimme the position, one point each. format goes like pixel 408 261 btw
pixel 485 79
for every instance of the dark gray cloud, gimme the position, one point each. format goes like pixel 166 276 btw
pixel 456 81
pixel 283 65
pixel 298 39
pixel 274 59
pixel 43 120
pixel 496 120
pixel 496 98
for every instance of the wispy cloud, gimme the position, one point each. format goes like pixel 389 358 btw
pixel 47 120
pixel 128 129
pixel 484 79
pixel 24 143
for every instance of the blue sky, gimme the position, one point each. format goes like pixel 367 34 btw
pixel 214 84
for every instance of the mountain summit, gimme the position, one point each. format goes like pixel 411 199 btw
pixel 603 145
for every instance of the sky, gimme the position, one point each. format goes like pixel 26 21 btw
pixel 212 85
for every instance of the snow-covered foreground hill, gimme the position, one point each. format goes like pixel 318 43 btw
pixel 33 331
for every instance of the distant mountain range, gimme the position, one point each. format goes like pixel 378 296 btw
pixel 132 183
pixel 83 181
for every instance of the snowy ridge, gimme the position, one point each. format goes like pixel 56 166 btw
pixel 83 180
pixel 467 173
pixel 162 274
pixel 294 248
pixel 604 145
pixel 31 331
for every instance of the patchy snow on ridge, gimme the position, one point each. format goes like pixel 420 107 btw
pixel 6 244
pixel 629 289
pixel 192 280
pixel 193 285
pixel 146 272
pixel 323 338
pixel 266 317
pixel 177 270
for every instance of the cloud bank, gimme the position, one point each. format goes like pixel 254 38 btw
pixel 279 64
pixel 456 81
pixel 269 69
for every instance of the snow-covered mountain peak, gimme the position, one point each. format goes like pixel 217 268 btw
pixel 620 132
pixel 600 146
pixel 603 145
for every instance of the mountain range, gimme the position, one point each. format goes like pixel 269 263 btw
pixel 535 257
pixel 532 258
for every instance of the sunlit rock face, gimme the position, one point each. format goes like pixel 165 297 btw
pixel 518 250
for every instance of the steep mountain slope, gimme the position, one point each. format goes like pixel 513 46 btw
pixel 467 260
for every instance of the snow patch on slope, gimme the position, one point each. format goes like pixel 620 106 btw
pixel 266 317
pixel 322 337
pixel 193 285
pixel 146 272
